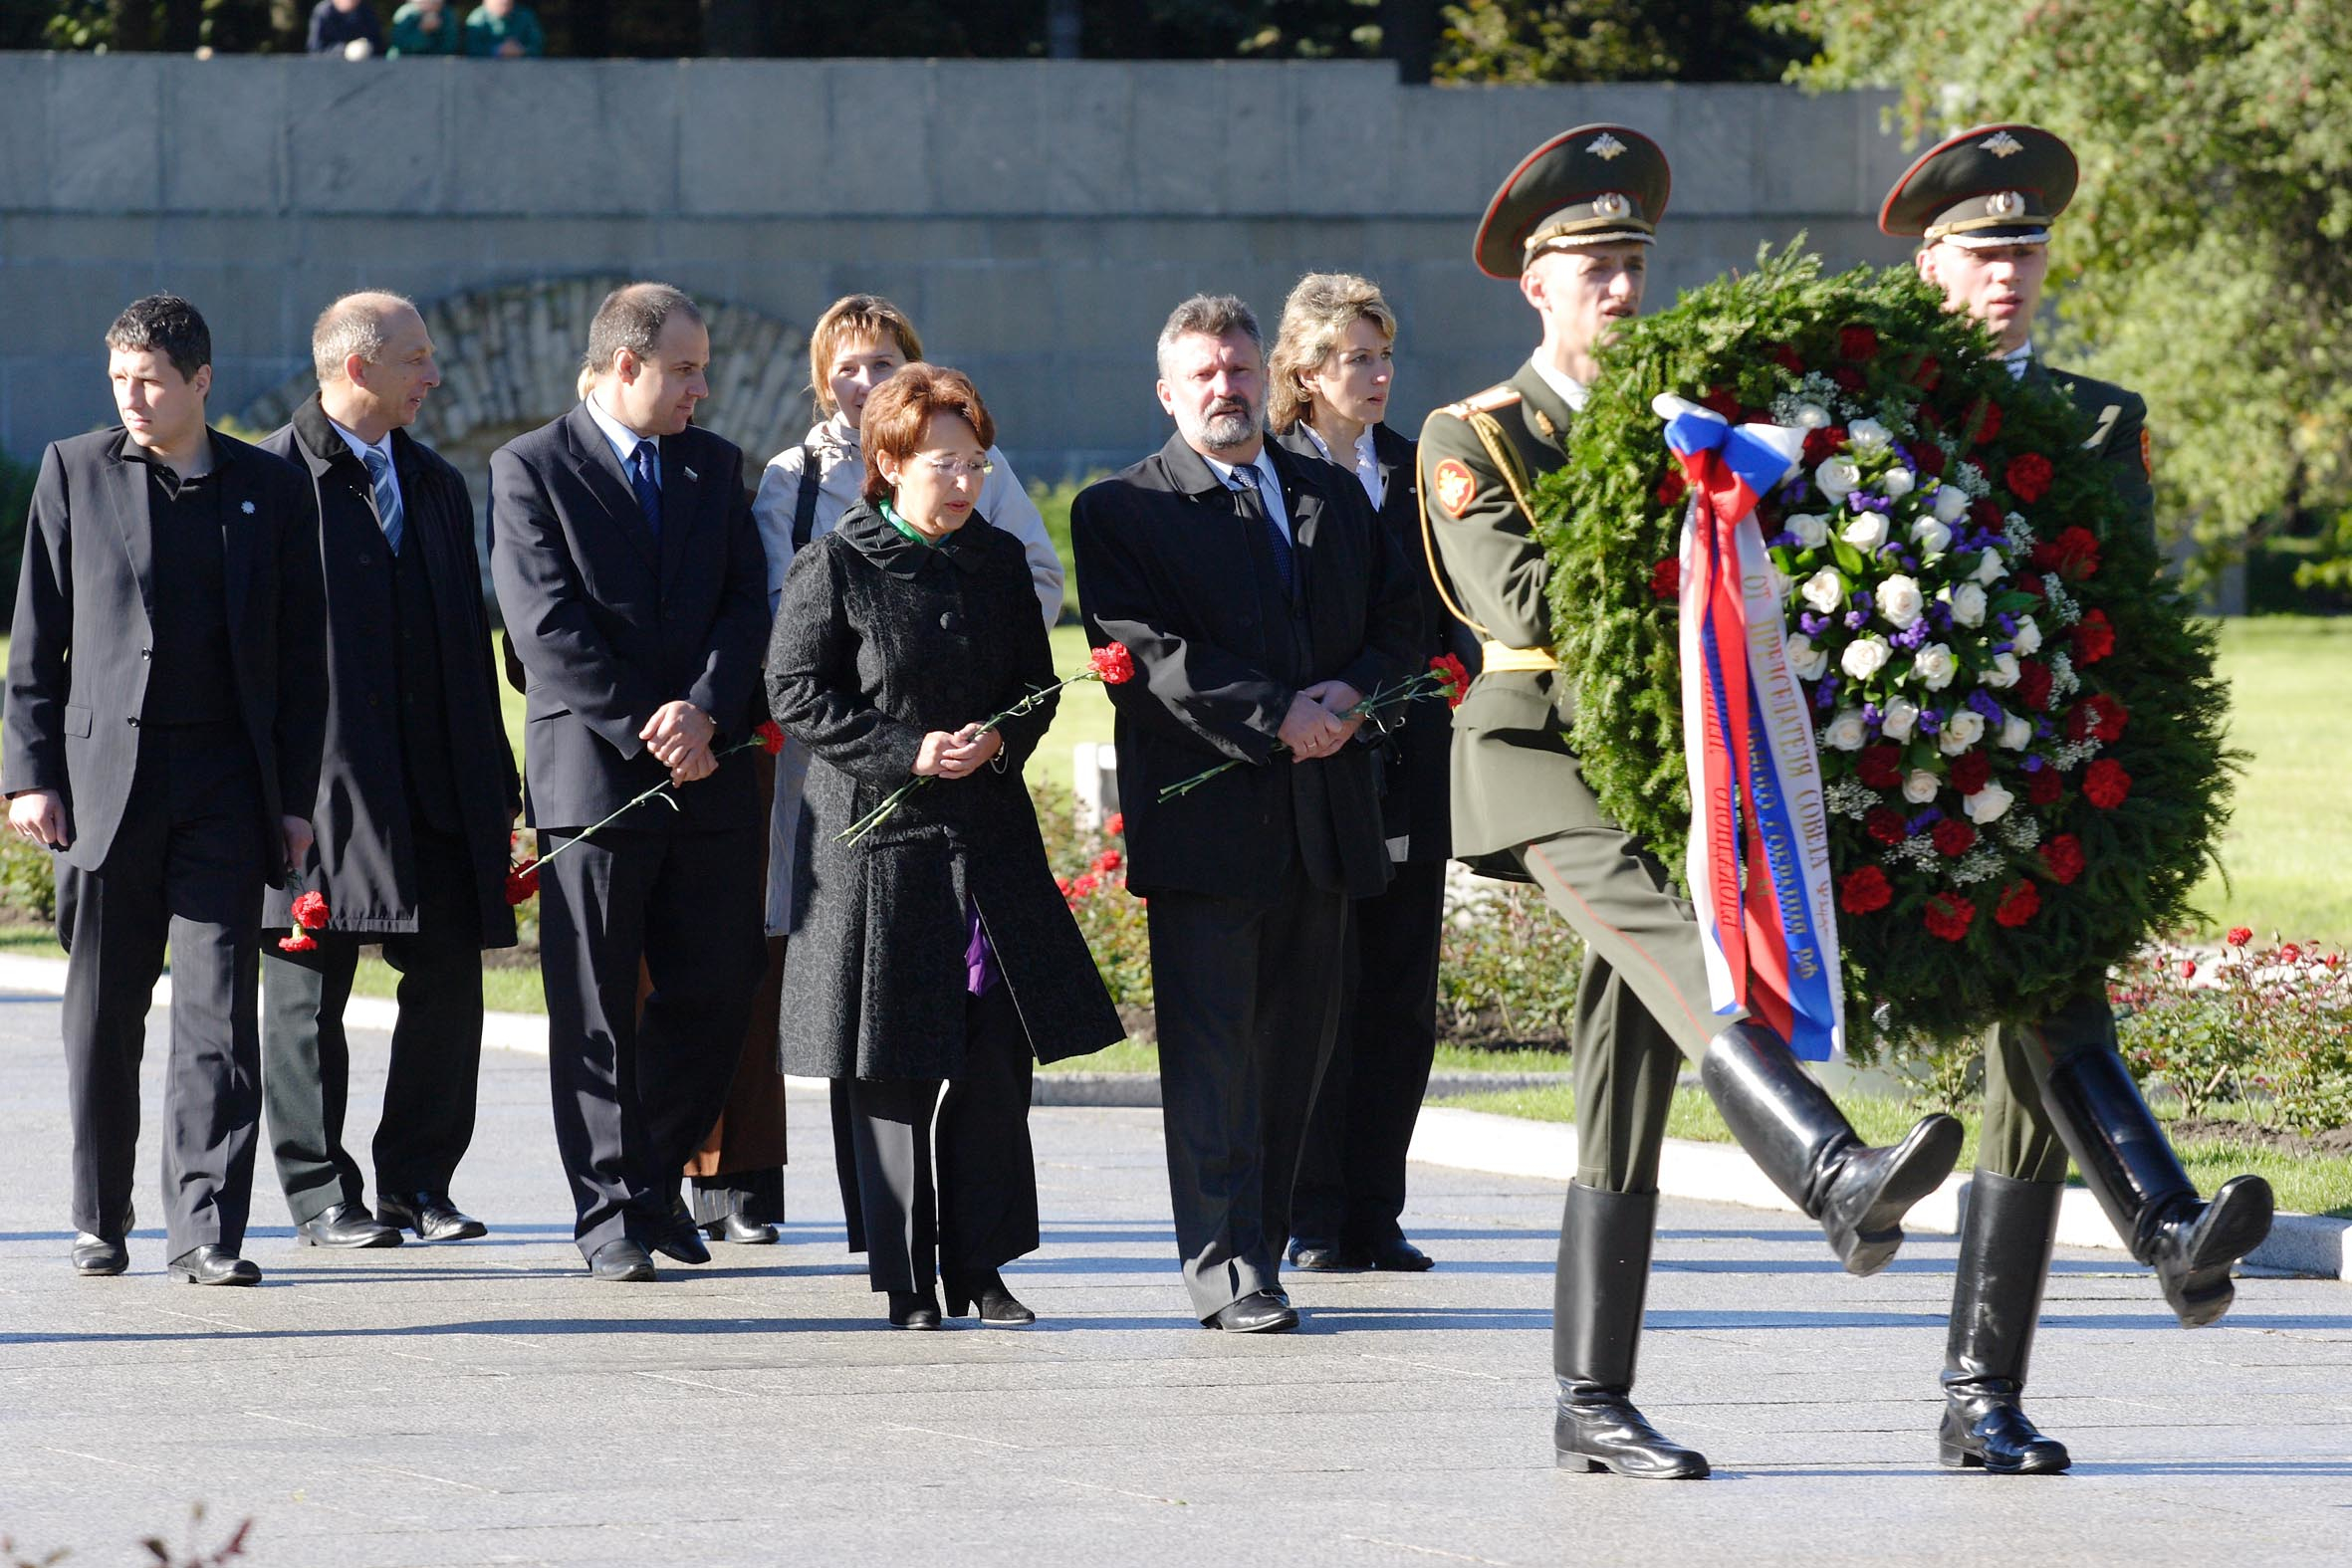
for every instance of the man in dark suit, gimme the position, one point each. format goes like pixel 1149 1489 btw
pixel 634 592
pixel 166 693
pixel 1261 603
pixel 416 793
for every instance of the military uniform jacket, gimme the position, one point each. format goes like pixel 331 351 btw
pixel 1515 779
pixel 2119 435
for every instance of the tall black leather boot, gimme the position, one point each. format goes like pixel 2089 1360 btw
pixel 2129 1166
pixel 1597 1303
pixel 1793 1130
pixel 2004 1257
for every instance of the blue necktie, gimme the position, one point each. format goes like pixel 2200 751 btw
pixel 643 481
pixel 1249 501
pixel 389 515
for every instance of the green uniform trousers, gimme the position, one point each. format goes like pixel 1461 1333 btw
pixel 2019 1141
pixel 1642 1000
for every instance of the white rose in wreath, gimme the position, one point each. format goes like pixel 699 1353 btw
pixel 1992 569
pixel 1988 805
pixel 1951 504
pixel 1868 435
pixel 1968 604
pixel 1867 532
pixel 1899 720
pixel 1824 590
pixel 1864 657
pixel 1837 477
pixel 2016 732
pixel 2028 642
pixel 1896 482
pixel 1847 732
pixel 1935 666
pixel 1900 600
pixel 2003 674
pixel 1810 528
pixel 1962 731
pixel 1812 416
pixel 1931 536
pixel 1807 663
pixel 1921 787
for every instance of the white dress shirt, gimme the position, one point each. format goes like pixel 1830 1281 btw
pixel 625 440
pixel 1572 391
pixel 1367 466
pixel 382 449
pixel 2017 360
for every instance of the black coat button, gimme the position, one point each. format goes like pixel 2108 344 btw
pixel 950 620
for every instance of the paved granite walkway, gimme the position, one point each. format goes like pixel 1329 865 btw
pixel 485 1403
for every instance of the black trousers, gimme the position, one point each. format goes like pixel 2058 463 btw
pixel 1247 997
pixel 185 868
pixel 428 1094
pixel 958 1199
pixel 1351 1175
pixel 635 1089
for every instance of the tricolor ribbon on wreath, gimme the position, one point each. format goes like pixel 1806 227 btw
pixel 1760 834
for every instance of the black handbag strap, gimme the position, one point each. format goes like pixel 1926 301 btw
pixel 805 509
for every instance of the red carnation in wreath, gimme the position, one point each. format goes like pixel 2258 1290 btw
pixel 2094 637
pixel 1847 377
pixel 1928 457
pixel 1949 916
pixel 1986 417
pixel 2019 903
pixel 2062 858
pixel 2073 555
pixel 1954 837
pixel 2033 684
pixel 1886 824
pixel 1722 401
pixel 1864 891
pixel 1971 771
pixel 1984 513
pixel 1857 342
pixel 2027 477
pixel 1785 358
pixel 2101 716
pixel 1672 488
pixel 1880 766
pixel 2044 786
pixel 1822 444
pixel 1929 371
pixel 2105 784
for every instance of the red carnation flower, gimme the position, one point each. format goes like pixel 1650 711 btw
pixel 2105 784
pixel 1115 824
pixel 1986 417
pixel 2030 582
pixel 310 914
pixel 1822 444
pixel 522 880
pixel 1107 862
pixel 1954 837
pixel 770 735
pixel 1722 401
pixel 2100 715
pixel 1864 891
pixel 1949 916
pixel 2027 477
pixel 2240 935
pixel 1785 358
pixel 2045 788
pixel 1456 678
pixel 1928 418
pixel 1112 664
pixel 1886 824
pixel 1928 457
pixel 1880 766
pixel 1984 513
pixel 1857 342
pixel 2073 555
pixel 2019 903
pixel 1971 771
pixel 2094 637
pixel 1672 488
pixel 2061 857
pixel 2033 684
pixel 1929 371
pixel 1847 377
pixel 1666 579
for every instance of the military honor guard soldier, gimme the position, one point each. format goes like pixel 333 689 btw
pixel 1982 205
pixel 416 795
pixel 167 695
pixel 1574 224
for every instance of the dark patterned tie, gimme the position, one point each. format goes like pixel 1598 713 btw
pixel 389 515
pixel 643 481
pixel 1249 501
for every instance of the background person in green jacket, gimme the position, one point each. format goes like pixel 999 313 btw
pixel 427 27
pixel 503 30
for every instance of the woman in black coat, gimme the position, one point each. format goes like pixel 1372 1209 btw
pixel 933 947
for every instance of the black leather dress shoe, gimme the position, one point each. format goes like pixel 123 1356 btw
pixel 682 1238
pixel 1328 1257
pixel 430 1214
pixel 1599 1431
pixel 1995 1435
pixel 94 1255
pixel 347 1226
pixel 1255 1313
pixel 213 1265
pixel 1400 1256
pixel 736 1231
pixel 999 1307
pixel 917 1309
pixel 623 1261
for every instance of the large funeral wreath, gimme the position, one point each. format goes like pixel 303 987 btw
pixel 2017 719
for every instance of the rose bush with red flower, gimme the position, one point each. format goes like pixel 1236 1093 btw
pixel 1960 723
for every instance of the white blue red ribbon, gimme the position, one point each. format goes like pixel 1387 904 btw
pixel 1759 833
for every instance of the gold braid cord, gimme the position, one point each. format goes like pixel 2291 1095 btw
pixel 1498 656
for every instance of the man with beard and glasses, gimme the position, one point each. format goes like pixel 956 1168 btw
pixel 1572 225
pixel 1981 204
pixel 1261 603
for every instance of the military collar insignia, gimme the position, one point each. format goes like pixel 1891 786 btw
pixel 2002 145
pixel 1605 146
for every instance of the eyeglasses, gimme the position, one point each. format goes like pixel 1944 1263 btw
pixel 958 467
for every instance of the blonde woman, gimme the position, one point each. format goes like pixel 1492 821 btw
pixel 1327 389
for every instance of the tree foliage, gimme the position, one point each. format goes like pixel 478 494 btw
pixel 1609 40
pixel 2205 259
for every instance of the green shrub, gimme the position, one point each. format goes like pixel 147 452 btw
pixel 1507 968
pixel 27 881
pixel 2268 1028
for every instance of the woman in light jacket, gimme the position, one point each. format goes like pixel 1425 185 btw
pixel 932 949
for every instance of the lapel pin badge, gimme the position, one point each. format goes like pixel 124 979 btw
pixel 690 474
pixel 246 508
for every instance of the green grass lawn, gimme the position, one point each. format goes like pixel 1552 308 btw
pixel 2305 1184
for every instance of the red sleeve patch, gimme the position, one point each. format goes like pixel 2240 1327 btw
pixel 1455 485
pixel 2147 453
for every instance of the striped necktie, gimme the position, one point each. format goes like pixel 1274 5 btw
pixel 389 513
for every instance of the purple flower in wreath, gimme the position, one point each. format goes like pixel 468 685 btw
pixel 1941 613
pixel 1986 706
pixel 2044 729
pixel 2033 762
pixel 1871 717
pixel 2006 622
pixel 1785 541
pixel 1812 626
pixel 1857 620
pixel 1925 820
pixel 1930 720
pixel 1862 600
pixel 1825 695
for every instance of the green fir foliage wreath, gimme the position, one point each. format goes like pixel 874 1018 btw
pixel 1957 910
